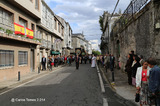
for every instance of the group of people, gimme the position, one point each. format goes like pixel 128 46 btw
pixel 55 61
pixel 145 76
pixel 108 61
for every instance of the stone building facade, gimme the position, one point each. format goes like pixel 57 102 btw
pixel 17 53
pixel 140 33
pixel 108 21
pixel 79 41
pixel 29 29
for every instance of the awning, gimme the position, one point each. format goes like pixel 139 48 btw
pixel 55 53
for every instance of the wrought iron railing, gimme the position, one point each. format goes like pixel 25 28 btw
pixel 133 8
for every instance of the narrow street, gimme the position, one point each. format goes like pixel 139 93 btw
pixel 65 87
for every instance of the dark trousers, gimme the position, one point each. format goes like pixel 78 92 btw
pixel 43 66
pixel 129 73
pixel 55 64
pixel 85 61
pixel 106 67
pixel 158 101
pixel 90 61
pixel 98 61
pixel 50 67
pixel 77 65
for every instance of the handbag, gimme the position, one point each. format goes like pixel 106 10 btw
pixel 137 98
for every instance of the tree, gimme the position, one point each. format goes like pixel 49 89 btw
pixel 101 23
pixel 96 52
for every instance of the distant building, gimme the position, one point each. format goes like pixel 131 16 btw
pixel 78 41
pixel 108 23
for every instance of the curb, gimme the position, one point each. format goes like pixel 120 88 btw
pixel 126 101
pixel 3 89
pixel 108 81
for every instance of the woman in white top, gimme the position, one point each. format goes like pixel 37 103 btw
pixel 142 82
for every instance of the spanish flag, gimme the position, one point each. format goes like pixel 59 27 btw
pixel 19 29
pixel 29 33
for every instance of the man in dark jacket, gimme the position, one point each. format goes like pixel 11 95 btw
pixel 43 61
pixel 77 59
pixel 55 61
pixel 85 59
pixel 154 80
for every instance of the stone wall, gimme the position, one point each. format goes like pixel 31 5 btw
pixel 140 35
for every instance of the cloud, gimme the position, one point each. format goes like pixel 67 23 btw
pixel 83 15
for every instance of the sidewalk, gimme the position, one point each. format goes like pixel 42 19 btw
pixel 8 84
pixel 120 84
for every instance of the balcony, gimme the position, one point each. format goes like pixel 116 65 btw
pixel 19 38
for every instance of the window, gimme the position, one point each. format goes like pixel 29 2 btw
pixel 58 27
pixel 37 4
pixel 32 27
pixel 22 22
pixel 6 18
pixel 22 58
pixel 61 30
pixel 55 26
pixel 6 58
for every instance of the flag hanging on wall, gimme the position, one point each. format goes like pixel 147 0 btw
pixel 19 29
pixel 29 33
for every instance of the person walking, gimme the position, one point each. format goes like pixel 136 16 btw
pixel 90 58
pixel 98 59
pixel 65 59
pixel 128 68
pixel 43 61
pixel 77 60
pixel 154 80
pixel 85 59
pixel 70 61
pixel 93 62
pixel 50 63
pixel 55 61
pixel 142 83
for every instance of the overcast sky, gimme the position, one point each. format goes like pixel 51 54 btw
pixel 83 15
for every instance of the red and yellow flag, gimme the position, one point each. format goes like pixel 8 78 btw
pixel 19 29
pixel 29 33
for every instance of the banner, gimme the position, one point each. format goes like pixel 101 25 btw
pixel 29 33
pixel 78 51
pixel 19 29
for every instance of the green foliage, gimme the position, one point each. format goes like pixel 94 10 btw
pixel 37 39
pixel 1 28
pixel 101 23
pixel 96 52
pixel 9 31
